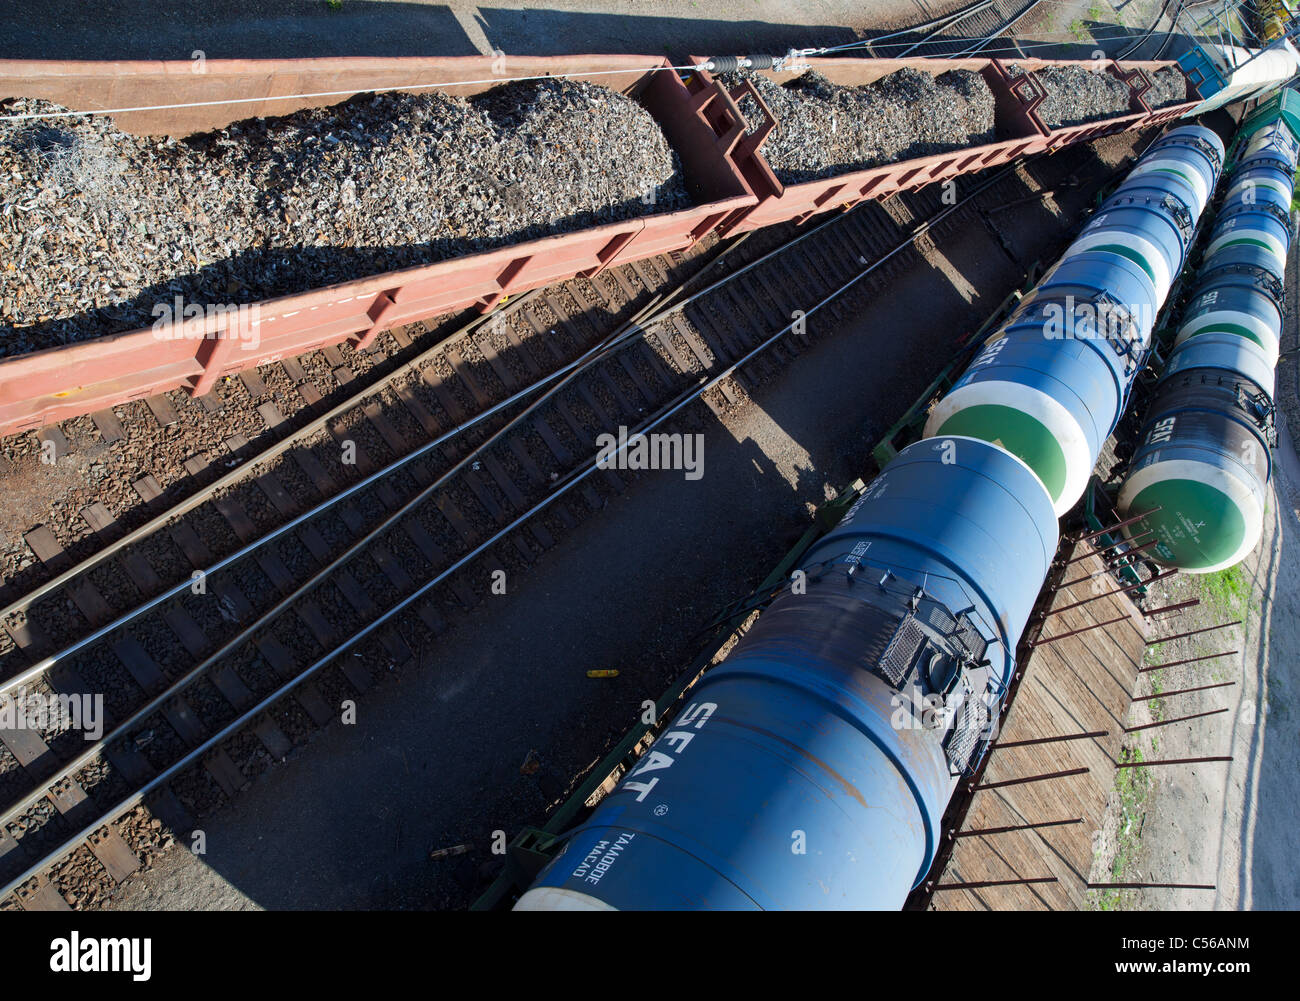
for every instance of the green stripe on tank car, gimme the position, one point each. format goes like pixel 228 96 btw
pixel 1228 328
pixel 1019 434
pixel 1247 240
pixel 1170 170
pixel 1128 252
pixel 1197 526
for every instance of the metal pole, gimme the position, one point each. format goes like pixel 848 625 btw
pixel 1049 740
pixel 1119 524
pixel 1194 632
pixel 1189 603
pixel 1098 552
pixel 1166 722
pixel 1016 827
pixel 1188 660
pixel 1150 886
pixel 1106 594
pixel 1170 761
pixel 1075 632
pixel 992 882
pixel 1029 778
pixel 1109 566
pixel 1183 691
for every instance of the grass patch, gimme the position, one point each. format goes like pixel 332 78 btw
pixel 1156 706
pixel 1133 786
pixel 1228 590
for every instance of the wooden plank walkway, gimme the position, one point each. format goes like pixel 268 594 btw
pixel 1080 684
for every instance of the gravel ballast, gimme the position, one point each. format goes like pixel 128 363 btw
pixel 824 129
pixel 1076 95
pixel 98 227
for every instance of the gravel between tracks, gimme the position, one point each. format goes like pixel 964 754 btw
pixel 98 228
pixel 825 129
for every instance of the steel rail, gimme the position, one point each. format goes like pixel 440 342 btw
pixel 1007 26
pixel 195 673
pixel 42 666
pixel 1129 50
pixel 632 326
pixel 620 337
pixel 955 18
pixel 241 471
pixel 571 480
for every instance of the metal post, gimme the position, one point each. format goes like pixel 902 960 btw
pixel 992 882
pixel 1108 565
pixel 1049 740
pixel 1188 660
pixel 1074 632
pixel 1166 722
pixel 1119 524
pixel 1151 886
pixel 1106 594
pixel 1098 552
pixel 1194 632
pixel 1178 607
pixel 1183 691
pixel 1029 778
pixel 1016 827
pixel 1171 761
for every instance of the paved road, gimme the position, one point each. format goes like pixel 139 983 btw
pixel 173 29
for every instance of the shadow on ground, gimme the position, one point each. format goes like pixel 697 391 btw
pixel 246 29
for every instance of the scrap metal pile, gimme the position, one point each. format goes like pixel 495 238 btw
pixel 97 226
pixel 824 129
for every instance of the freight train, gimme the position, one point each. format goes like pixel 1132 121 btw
pixel 811 769
pixel 721 157
pixel 1198 482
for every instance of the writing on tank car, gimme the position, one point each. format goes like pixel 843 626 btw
pixel 1053 382
pixel 1198 482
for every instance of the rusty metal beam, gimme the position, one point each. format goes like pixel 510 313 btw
pixel 1098 552
pixel 1046 776
pixel 1182 691
pixel 1193 632
pixel 1172 761
pixel 1170 722
pixel 1015 827
pixel 1106 594
pixel 1044 640
pixel 1118 525
pixel 982 884
pixel 1151 886
pixel 1186 660
pixel 1176 607
pixel 1049 740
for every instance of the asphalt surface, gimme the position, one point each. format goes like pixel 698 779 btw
pixel 168 29
pixel 253 29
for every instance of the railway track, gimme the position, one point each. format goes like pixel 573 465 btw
pixel 963 32
pixel 1130 50
pixel 228 636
